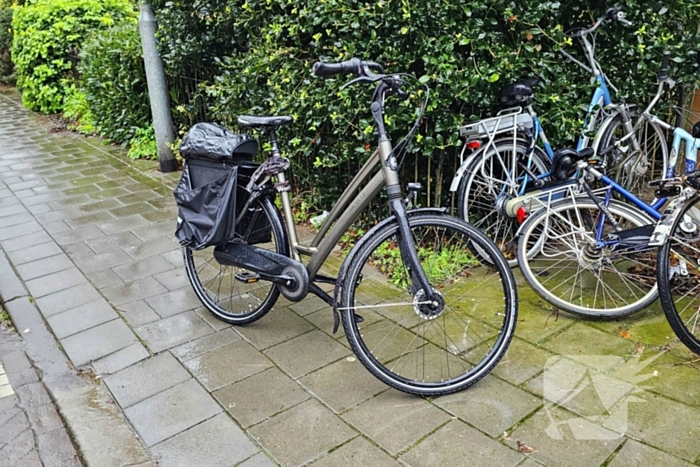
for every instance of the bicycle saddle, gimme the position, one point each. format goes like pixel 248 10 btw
pixel 564 163
pixel 252 121
pixel 516 94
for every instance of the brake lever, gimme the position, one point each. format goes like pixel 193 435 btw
pixel 362 79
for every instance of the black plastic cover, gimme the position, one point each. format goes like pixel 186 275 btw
pixel 213 142
pixel 206 213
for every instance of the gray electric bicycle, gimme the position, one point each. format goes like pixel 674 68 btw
pixel 428 303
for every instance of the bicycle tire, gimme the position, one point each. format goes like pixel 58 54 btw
pixel 626 168
pixel 559 259
pixel 226 297
pixel 401 338
pixel 484 189
pixel 678 290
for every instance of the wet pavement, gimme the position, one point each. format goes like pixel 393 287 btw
pixel 87 240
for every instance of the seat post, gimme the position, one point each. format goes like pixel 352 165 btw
pixel 272 136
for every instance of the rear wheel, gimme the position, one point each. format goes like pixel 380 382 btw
pixel 493 178
pixel 233 294
pixel 679 276
pixel 634 169
pixel 560 258
pixel 421 347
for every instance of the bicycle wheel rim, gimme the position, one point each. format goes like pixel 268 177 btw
pixel 679 277
pixel 569 272
pixel 221 289
pixel 485 189
pixel 397 342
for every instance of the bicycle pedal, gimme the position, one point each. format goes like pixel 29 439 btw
pixel 247 277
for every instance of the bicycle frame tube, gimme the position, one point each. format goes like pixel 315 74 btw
pixel 613 185
pixel 601 98
pixel 692 145
pixel 539 132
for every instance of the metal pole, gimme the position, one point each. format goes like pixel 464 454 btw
pixel 157 90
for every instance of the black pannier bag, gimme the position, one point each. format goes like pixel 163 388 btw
pixel 211 191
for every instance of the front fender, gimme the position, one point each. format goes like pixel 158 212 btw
pixel 670 215
pixel 340 281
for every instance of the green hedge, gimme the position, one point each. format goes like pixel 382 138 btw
pixel 113 79
pixel 48 35
pixel 7 69
pixel 256 57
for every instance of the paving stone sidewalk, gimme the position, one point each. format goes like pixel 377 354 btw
pixel 91 237
pixel 32 434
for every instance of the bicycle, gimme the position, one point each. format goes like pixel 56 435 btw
pixel 442 298
pixel 677 236
pixel 590 256
pixel 507 167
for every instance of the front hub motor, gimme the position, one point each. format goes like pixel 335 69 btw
pixel 427 308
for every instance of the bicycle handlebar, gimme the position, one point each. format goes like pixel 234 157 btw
pixel 613 14
pixel 353 66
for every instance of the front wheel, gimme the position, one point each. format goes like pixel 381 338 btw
pixel 572 267
pixel 417 346
pixel 679 276
pixel 230 293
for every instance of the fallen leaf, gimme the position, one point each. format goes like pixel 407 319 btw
pixel 528 35
pixel 524 448
pixel 625 335
pixel 639 348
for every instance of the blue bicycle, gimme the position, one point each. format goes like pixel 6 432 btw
pixel 510 164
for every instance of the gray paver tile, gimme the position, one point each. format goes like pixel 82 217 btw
pixel 521 362
pixel 302 433
pixel 206 344
pixel 659 422
pixel 359 451
pixel 13 428
pixel 57 227
pixel 278 326
pixel 30 460
pixel 215 442
pixel 98 262
pixel 34 253
pixel 209 318
pixel 561 438
pixel 173 279
pixel 12 210
pixel 637 454
pixel 33 395
pixel 140 269
pixel 88 219
pixel 454 443
pixel 343 384
pixel 56 448
pixel 104 279
pixel 122 224
pixel 67 299
pixel 114 242
pixel 260 396
pixel 80 235
pixel 174 302
pixel 307 353
pixel 97 342
pixel 491 405
pixel 153 247
pixel 590 342
pixel 132 291
pixel 173 331
pixel 138 313
pixel 22 445
pixel 309 305
pixel 44 418
pixel 55 282
pixel 259 460
pixel 14 231
pixel 84 317
pixel 171 411
pixel 396 420
pixel 25 242
pixel 121 359
pixel 78 250
pixel 155 231
pixel 141 381
pixel 44 266
pixel 227 365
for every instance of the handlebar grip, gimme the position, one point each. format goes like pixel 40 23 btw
pixel 697 58
pixel 323 70
pixel 663 72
